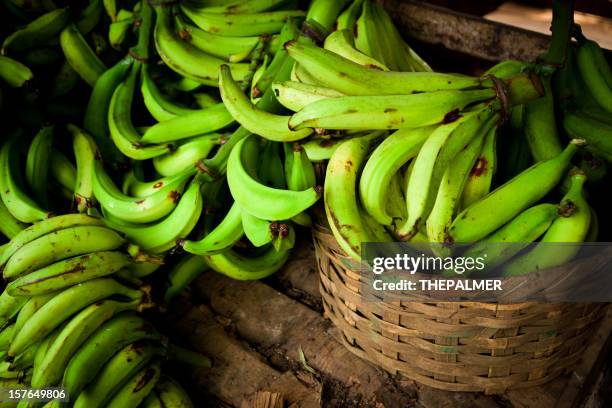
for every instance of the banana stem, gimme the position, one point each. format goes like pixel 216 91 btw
pixel 562 26
pixel 141 51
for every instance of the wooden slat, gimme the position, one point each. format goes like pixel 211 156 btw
pixel 471 35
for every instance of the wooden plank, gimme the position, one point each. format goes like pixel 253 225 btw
pixel 238 372
pixel 464 33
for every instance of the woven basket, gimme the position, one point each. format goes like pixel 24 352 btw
pixel 454 346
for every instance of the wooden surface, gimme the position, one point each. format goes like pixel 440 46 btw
pixel 271 336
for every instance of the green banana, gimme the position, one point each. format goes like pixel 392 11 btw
pixel 59 245
pixel 268 125
pixel 350 78
pixel 296 95
pixel 320 149
pixel 431 162
pixel 367 36
pixel 540 126
pixel 37 31
pixel 27 311
pixel 187 60
pixel 451 186
pixel 162 236
pixel 14 73
pixel 138 210
pixel 387 112
pixel 271 171
pixel 111 337
pixel 260 200
pixel 197 122
pixel 171 394
pixel 480 177
pixel 341 43
pixel 9 225
pixel 596 72
pixel 86 154
pixel 159 105
pixel 62 170
pixel 341 205
pixel 222 237
pixel 571 227
pixel 80 56
pixel 6 335
pixel 229 48
pixel 506 69
pixel 598 134
pixel 505 202
pixel 89 17
pixel 243 7
pixel 133 186
pixel 133 392
pixel 259 232
pixel 187 155
pixel 321 17
pixel 515 236
pixel 49 372
pixel 65 304
pixel 95 120
pixel 118 30
pixel 299 171
pixel 241 25
pixel 122 130
pixel 63 274
pixel 117 371
pixel 347 19
pixel 65 80
pixel 385 161
pixel 182 274
pixel 242 267
pixel 10 307
pixel 43 228
pixel 18 203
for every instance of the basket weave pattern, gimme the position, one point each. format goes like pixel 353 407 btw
pixel 455 346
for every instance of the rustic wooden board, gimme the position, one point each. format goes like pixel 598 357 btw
pixel 276 337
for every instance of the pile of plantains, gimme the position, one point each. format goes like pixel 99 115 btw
pixel 162 138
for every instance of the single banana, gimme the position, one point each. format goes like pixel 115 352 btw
pixel 597 134
pixel 182 274
pixel 10 307
pixel 259 232
pixel 514 237
pixel 122 130
pixel 86 322
pixel 28 310
pixel 95 119
pixel 162 236
pixel 222 237
pixel 540 125
pixel 341 42
pixel 299 170
pixel 63 305
pixel 501 205
pixel 6 335
pixel 367 36
pixel 260 200
pixel 241 25
pixel 138 210
pixel 187 60
pixel 9 225
pixel 387 112
pixel 571 227
pixel 350 78
pixel 119 29
pixel 59 245
pixel 341 204
pixel 187 155
pixel 18 203
pixel 171 394
pixel 120 331
pixel 85 153
pixel 242 267
pixel 160 106
pixel 134 391
pixel 242 6
pixel 80 56
pixel 268 125
pixel 296 95
pixel 480 177
pixel 63 171
pixel 45 227
pixel 37 31
pixel 14 73
pixel 118 371
pixel 382 165
pixel 271 171
pixel 596 72
pixel 229 48
pixel 66 273
pixel 134 187
pixel 347 19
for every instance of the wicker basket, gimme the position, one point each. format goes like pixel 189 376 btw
pixel 455 346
